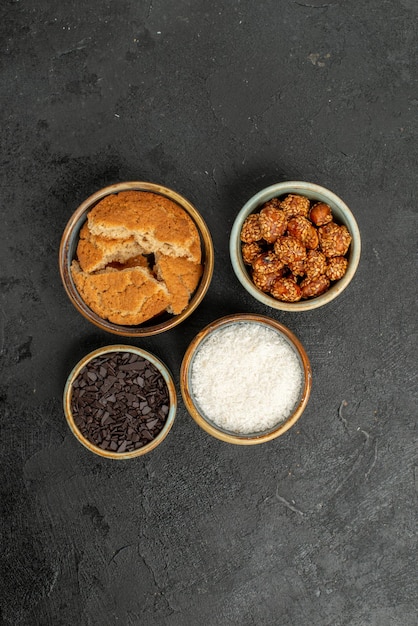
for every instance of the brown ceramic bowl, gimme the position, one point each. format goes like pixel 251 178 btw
pixel 165 373
pixel 192 405
pixel 68 248
pixel 316 193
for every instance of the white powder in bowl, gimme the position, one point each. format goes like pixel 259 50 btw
pixel 246 377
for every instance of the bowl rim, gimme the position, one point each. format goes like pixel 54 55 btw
pixel 65 259
pixel 303 188
pixel 168 378
pixel 228 436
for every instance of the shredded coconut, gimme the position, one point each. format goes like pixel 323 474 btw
pixel 246 377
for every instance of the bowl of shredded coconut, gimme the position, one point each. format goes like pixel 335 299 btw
pixel 245 379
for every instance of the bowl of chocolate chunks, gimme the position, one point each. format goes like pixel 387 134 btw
pixel 295 246
pixel 120 401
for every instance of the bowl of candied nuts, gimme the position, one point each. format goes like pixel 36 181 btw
pixel 295 246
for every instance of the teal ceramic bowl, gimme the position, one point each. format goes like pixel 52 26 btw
pixel 342 215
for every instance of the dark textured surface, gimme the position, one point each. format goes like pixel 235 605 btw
pixel 215 100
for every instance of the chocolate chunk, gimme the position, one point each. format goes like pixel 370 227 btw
pixel 107 407
pixel 129 366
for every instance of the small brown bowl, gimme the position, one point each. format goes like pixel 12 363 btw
pixel 68 392
pixel 208 424
pixel 68 249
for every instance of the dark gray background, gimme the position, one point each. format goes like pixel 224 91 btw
pixel 215 100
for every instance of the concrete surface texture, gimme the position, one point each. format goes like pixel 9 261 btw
pixel 215 100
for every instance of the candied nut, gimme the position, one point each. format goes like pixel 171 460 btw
pixel 273 203
pixel 273 222
pixel 251 230
pixel 286 289
pixel 250 251
pixel 315 264
pixel 336 268
pixel 311 287
pixel 297 268
pixel 263 281
pixel 294 205
pixel 302 229
pixel 289 249
pixel 334 239
pixel 293 277
pixel 267 263
pixel 320 214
